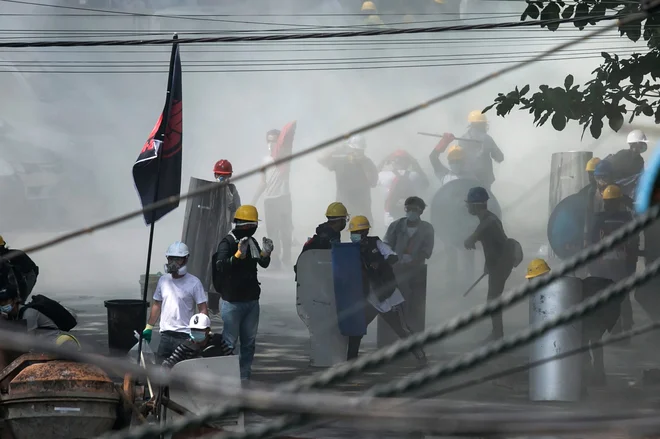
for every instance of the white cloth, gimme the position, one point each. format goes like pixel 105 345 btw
pixel 277 180
pixel 179 298
pixel 396 298
pixel 447 178
pixel 252 244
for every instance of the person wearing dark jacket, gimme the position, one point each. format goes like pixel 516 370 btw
pixel 237 259
pixel 499 261
pixel 620 262
pixel 378 285
pixel 327 232
pixel 629 162
pixel 25 270
pixel 202 344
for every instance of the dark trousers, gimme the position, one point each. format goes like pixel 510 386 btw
pixel 395 320
pixel 279 226
pixel 169 341
pixel 496 281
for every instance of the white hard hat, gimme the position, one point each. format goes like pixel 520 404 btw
pixel 178 250
pixel 358 142
pixel 637 136
pixel 199 321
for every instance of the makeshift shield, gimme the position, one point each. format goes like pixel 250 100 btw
pixel 449 214
pixel 207 221
pixel 566 225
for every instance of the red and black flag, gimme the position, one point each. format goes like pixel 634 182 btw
pixel 157 170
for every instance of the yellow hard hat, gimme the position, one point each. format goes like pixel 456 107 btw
pixel 612 192
pixel 246 213
pixel 358 223
pixel 67 338
pixel 591 164
pixel 368 6
pixel 336 210
pixel 455 152
pixel 2 241
pixel 536 268
pixel 477 116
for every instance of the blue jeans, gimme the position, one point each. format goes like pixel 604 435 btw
pixel 241 321
pixel 168 343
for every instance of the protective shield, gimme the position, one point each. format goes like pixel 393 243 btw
pixel 349 293
pixel 558 380
pixel 207 221
pixel 566 225
pixel 317 308
pixel 449 214
pixel 196 402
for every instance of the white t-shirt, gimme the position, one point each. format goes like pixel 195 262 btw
pixel 277 180
pixel 180 298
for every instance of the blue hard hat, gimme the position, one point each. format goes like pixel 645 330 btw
pixel 603 169
pixel 477 195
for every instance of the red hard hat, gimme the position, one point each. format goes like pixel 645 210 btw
pixel 399 153
pixel 223 167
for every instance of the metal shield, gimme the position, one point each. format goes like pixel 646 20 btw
pixel 566 225
pixel 449 214
pixel 207 221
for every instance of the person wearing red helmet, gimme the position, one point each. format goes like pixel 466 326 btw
pixel 222 172
pixel 403 179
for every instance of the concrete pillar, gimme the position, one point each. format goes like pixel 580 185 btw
pixel 558 380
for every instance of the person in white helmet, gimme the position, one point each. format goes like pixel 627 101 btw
pixel 355 174
pixel 177 295
pixel 629 162
pixel 202 343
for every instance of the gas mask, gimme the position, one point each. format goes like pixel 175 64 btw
pixel 174 268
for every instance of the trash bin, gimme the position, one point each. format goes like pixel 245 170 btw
pixel 151 289
pixel 124 317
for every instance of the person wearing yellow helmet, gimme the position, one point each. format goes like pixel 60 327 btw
pixel 591 168
pixel 620 262
pixel 455 160
pixel 379 285
pixel 355 174
pixel 480 149
pixel 236 264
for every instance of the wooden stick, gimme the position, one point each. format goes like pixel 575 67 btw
pixel 130 403
pixel 455 138
pixel 151 390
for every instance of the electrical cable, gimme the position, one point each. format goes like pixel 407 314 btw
pixel 313 35
pixel 426 376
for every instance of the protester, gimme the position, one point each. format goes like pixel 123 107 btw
pixel 237 259
pixel 405 177
pixel 177 295
pixel 202 344
pixel 25 270
pixel 222 172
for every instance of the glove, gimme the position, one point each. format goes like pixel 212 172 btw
pixel 146 334
pixel 242 248
pixel 267 246
pixel 406 259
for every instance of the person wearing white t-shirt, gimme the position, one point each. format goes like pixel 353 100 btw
pixel 179 295
pixel 277 203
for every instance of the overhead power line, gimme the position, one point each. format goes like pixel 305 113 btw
pixel 305 36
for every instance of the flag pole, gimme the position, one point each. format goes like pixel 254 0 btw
pixel 159 155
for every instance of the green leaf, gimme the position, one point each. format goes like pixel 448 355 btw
pixel 550 12
pixel 598 10
pixel 606 56
pixel 568 11
pixel 488 108
pixel 596 128
pixel 532 11
pixel 657 114
pixel 581 10
pixel 559 122
pixel 633 31
pixel 647 110
pixel 524 90
pixel 568 82
pixel 615 121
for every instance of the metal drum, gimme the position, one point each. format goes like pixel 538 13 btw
pixel 558 380
pixel 449 214
pixel 207 221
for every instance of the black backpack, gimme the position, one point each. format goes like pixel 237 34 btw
pixel 219 275
pixel 63 319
